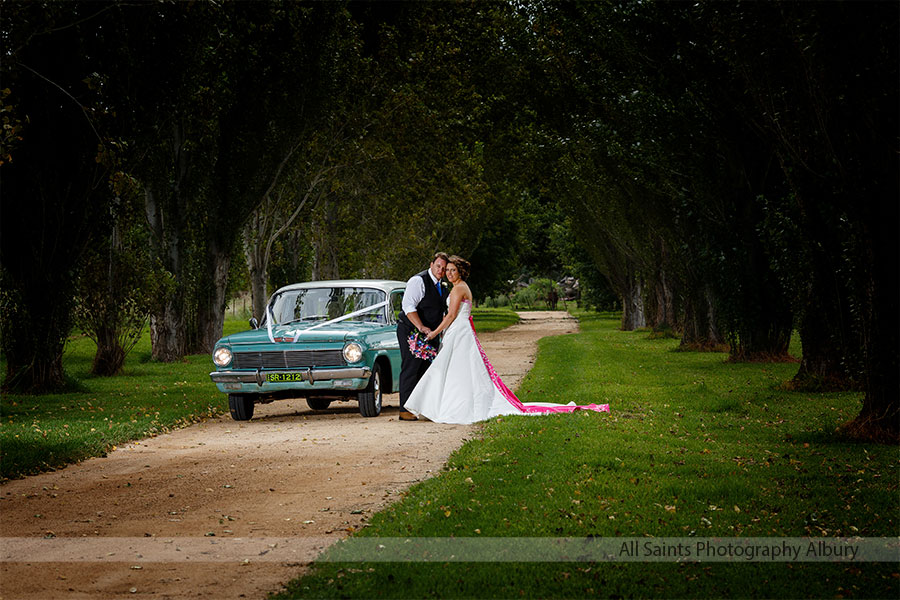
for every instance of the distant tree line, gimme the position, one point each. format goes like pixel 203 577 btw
pixel 728 171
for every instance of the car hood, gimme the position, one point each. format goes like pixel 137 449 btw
pixel 298 333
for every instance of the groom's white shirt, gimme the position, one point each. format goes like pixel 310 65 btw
pixel 415 291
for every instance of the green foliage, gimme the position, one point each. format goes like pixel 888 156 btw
pixel 524 298
pixel 117 283
pixel 498 301
pixel 441 143
pixel 596 292
pixel 537 295
pixel 291 259
pixel 544 287
pixel 693 446
pixel 538 219
pixel 496 259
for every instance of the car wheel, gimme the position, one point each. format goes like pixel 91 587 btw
pixel 241 406
pixel 318 403
pixel 370 398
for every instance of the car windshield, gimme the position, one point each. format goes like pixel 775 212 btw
pixel 320 304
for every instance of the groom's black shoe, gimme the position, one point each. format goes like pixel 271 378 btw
pixel 408 416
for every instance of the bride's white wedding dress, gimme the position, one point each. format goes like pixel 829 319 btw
pixel 462 387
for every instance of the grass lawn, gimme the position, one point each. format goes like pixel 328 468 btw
pixel 693 447
pixel 493 319
pixel 39 433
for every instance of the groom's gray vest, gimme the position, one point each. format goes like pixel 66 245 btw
pixel 432 307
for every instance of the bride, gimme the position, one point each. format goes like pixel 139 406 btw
pixel 461 386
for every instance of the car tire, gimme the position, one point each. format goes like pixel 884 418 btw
pixel 241 406
pixel 370 398
pixel 318 403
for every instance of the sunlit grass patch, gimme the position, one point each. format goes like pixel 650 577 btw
pixel 493 319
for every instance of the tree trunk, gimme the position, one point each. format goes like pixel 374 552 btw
pixel 212 304
pixel 661 314
pixel 764 339
pixel 665 317
pixel 764 321
pixel 41 374
pixel 258 292
pixel 253 234
pixel 165 203
pixel 167 319
pixel 36 321
pixel 325 251
pixel 167 331
pixel 715 336
pixel 110 355
pixel 700 331
pixel 879 418
pixel 827 361
pixel 258 277
pixel 296 247
pixel 633 316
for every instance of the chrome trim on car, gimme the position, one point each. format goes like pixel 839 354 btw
pixel 311 375
pixel 287 359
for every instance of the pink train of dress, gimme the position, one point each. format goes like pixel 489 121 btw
pixel 461 386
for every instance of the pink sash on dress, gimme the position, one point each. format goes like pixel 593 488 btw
pixel 511 398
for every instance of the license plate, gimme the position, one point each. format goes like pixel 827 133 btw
pixel 275 377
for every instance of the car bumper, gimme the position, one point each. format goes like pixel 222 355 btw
pixel 308 375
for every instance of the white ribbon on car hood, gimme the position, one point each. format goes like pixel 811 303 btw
pixel 297 332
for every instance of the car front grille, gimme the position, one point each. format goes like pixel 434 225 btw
pixel 293 359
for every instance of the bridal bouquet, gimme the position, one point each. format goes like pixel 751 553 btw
pixel 420 347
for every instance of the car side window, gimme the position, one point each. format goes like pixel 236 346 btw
pixel 396 305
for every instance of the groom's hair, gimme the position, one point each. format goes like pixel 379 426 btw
pixel 438 255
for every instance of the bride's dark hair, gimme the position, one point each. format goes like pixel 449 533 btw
pixel 462 265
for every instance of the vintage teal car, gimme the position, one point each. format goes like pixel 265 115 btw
pixel 323 340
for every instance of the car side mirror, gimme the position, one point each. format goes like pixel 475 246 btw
pixel 254 324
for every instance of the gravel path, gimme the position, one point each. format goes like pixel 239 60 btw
pixel 227 509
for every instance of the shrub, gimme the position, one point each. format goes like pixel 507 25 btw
pixel 525 297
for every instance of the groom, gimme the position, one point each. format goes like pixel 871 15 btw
pixel 424 306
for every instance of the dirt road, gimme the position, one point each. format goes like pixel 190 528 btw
pixel 228 509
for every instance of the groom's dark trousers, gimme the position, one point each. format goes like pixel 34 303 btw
pixel 431 310
pixel 411 368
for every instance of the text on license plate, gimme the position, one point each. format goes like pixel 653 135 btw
pixel 272 377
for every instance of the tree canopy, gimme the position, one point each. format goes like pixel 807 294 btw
pixel 729 169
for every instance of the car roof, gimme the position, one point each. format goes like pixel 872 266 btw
pixel 382 284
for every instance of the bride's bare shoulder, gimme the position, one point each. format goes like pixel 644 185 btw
pixel 462 291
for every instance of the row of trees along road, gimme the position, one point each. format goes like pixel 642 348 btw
pixel 729 169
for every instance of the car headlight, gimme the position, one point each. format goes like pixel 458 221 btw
pixel 222 356
pixel 353 352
